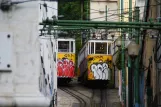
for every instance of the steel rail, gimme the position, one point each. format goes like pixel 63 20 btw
pixel 81 100
pixel 90 98
pixel 103 98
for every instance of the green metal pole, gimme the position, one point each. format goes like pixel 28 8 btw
pixel 130 76
pixel 140 24
pixel 82 9
pixel 106 12
pixel 106 17
pixel 123 58
pixel 137 11
pixel 130 15
pixel 87 10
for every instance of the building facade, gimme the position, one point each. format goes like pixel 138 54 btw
pixel 24 79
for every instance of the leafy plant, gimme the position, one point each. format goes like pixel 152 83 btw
pixel 70 10
pixel 118 60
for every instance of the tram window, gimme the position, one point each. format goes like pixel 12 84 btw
pixel 63 46
pixel 92 47
pixel 101 48
pixel 72 46
pixel 109 48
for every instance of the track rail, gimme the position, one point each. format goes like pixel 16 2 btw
pixel 80 99
pixel 87 97
pixel 99 98
pixel 103 97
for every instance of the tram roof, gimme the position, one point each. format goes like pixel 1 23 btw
pixel 65 39
pixel 98 40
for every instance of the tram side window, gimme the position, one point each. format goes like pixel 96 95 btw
pixel 109 48
pixel 63 46
pixel 101 48
pixel 72 46
pixel 92 47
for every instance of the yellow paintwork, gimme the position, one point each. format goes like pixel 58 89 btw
pixel 70 56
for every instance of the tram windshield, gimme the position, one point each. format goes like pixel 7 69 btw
pixel 63 46
pixel 66 46
pixel 101 48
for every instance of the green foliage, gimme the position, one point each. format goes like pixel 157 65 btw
pixel 118 60
pixel 78 47
pixel 70 10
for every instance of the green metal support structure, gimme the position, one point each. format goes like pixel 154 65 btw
pixel 102 24
pixel 106 15
pixel 106 12
pixel 130 74
pixel 137 11
pixel 87 10
pixel 123 57
pixel 82 9
pixel 136 25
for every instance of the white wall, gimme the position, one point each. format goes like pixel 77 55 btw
pixel 21 84
pixel 95 6
pixel 47 51
pixel 22 22
pixel 141 4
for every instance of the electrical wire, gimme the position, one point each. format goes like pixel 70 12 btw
pixel 112 14
pixel 111 10
pixel 119 15
pixel 129 8
pixel 48 6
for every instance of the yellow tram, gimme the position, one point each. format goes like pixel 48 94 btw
pixel 95 61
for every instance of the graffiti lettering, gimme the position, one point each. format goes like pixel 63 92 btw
pixel 68 55
pixel 95 57
pixel 100 71
pixel 100 57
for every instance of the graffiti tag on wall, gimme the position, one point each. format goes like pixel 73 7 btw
pixel 46 78
pixel 66 65
pixel 99 67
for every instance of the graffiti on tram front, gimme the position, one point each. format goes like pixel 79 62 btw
pixel 99 67
pixel 66 65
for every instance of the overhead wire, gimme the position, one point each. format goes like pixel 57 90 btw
pixel 118 15
pixel 107 16
pixel 48 6
pixel 129 8
pixel 111 10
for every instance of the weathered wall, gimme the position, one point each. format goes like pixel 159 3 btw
pixel 22 22
pixel 95 6
pixel 21 84
pixel 148 53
